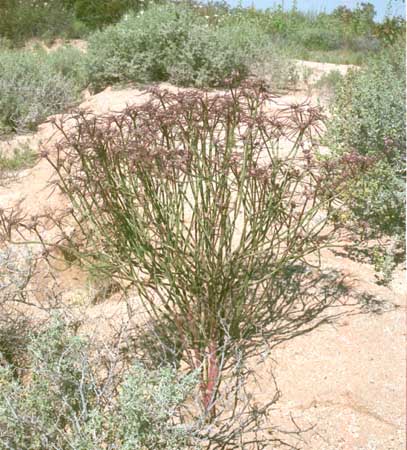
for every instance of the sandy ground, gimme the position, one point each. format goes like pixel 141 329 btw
pixel 344 382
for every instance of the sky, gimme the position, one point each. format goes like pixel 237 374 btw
pixel 395 7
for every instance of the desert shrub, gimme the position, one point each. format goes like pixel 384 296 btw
pixel 320 39
pixel 69 62
pixel 369 117
pixel 5 43
pixel 366 44
pixel 170 42
pixel 63 402
pixel 21 158
pixel 23 20
pixel 273 22
pixel 16 270
pixel 13 341
pixel 385 259
pixel 345 36
pixel 391 29
pixel 48 19
pixel 211 55
pixel 273 65
pixel 141 47
pixel 369 110
pixel 376 201
pixel 31 89
pixel 358 21
pixel 188 198
pixel 330 82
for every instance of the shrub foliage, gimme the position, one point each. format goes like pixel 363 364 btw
pixel 24 20
pixel 64 402
pixel 34 85
pixel 170 42
pixel 369 115
pixel 188 198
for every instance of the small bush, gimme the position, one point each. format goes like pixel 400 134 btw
pixel 320 39
pixel 369 117
pixel 376 201
pixel 391 29
pixel 330 81
pixel 64 403
pixel 141 47
pixel 366 44
pixel 5 43
pixel 369 110
pixel 172 43
pixel 31 88
pixel 211 55
pixel 16 270
pixel 188 197
pixel 22 157
pixel 69 62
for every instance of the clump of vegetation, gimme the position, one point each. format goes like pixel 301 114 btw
pixel 345 36
pixel 16 269
pixel 141 47
pixel 368 113
pixel 99 13
pixel 369 116
pixel 384 261
pixel 189 199
pixel 210 56
pixel 24 20
pixel 69 62
pixel 60 389
pixel 34 85
pixel 64 401
pixel 330 81
pixel 170 42
pixel 391 29
pixel 21 158
pixel 21 21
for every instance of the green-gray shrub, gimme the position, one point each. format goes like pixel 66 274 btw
pixel 23 20
pixel 22 157
pixel 376 200
pixel 31 88
pixel 369 109
pixel 319 38
pixel 70 62
pixel 64 403
pixel 169 42
pixel 330 82
pixel 16 270
pixel 139 48
pixel 212 54
pixel 368 115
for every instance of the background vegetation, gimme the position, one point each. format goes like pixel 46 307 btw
pixel 369 116
pixel 34 85
pixel 169 42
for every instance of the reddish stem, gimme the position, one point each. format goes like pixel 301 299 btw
pixel 209 386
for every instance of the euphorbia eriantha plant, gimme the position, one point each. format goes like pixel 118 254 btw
pixel 202 201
